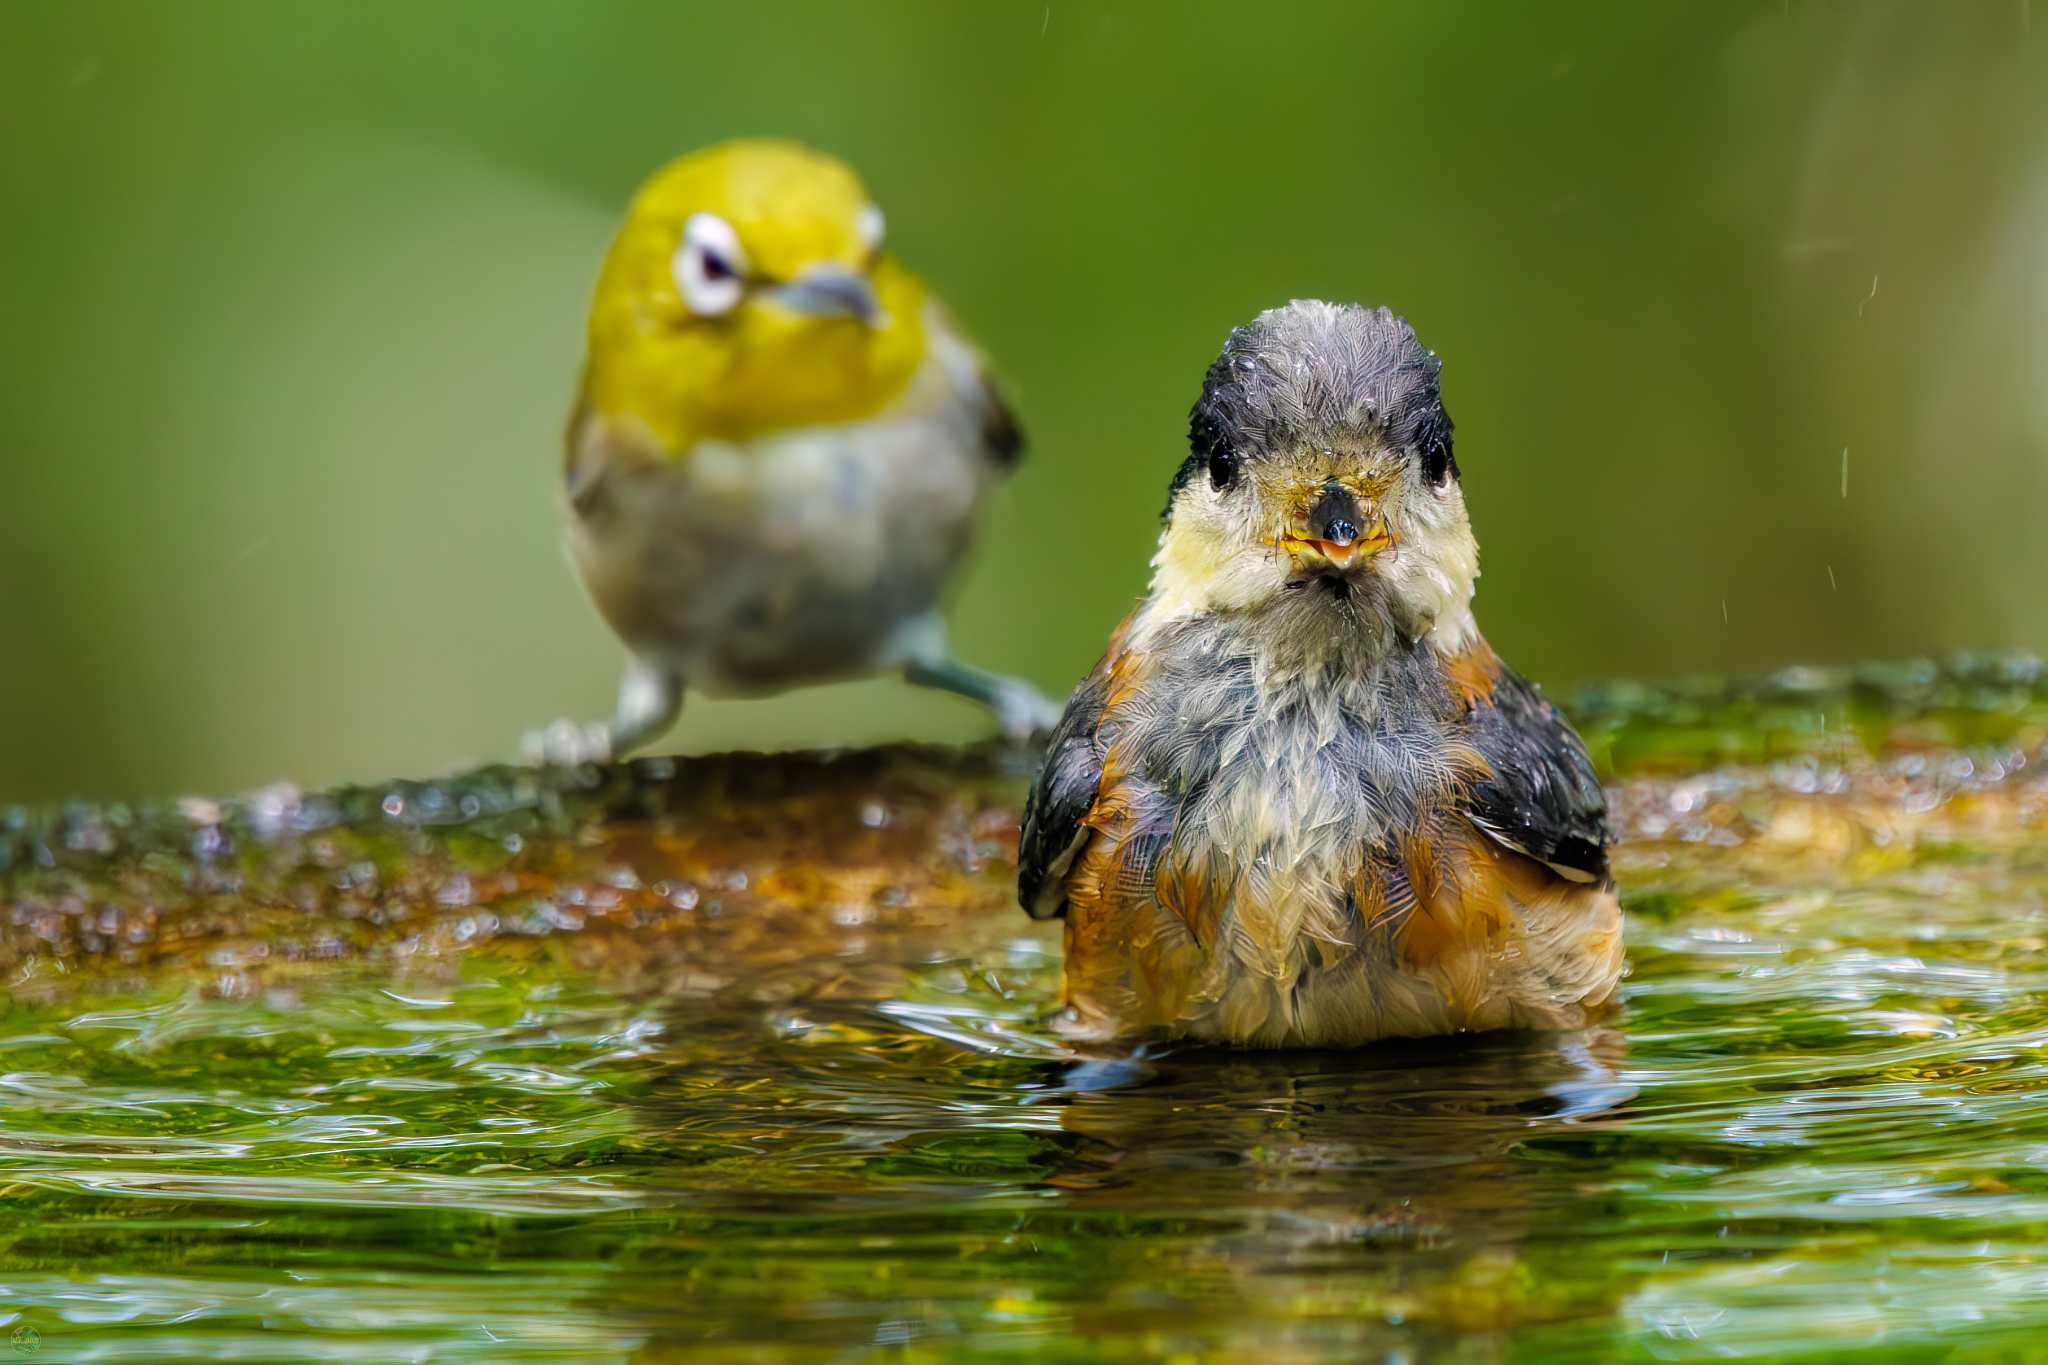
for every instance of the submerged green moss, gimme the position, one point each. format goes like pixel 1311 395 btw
pixel 738 1058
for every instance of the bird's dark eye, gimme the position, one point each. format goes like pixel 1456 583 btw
pixel 1438 464
pixel 716 267
pixel 1433 444
pixel 1222 469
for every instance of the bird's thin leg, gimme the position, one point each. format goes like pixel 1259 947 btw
pixel 650 697
pixel 1019 709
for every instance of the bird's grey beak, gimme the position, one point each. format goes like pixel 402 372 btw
pixel 830 292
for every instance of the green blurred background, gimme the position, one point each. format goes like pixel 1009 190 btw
pixel 293 297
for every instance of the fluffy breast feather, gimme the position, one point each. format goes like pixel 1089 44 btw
pixel 1291 857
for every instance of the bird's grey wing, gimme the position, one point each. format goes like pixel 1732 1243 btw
pixel 1061 798
pixel 1002 436
pixel 581 470
pixel 1540 796
pixel 595 450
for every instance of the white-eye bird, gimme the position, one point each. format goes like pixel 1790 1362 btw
pixel 780 449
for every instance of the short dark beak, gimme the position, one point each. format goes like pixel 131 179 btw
pixel 1336 519
pixel 830 292
pixel 1338 528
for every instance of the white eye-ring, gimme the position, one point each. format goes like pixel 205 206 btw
pixel 871 226
pixel 710 268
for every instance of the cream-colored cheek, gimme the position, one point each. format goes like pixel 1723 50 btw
pixel 1185 572
pixel 1203 564
pixel 1434 581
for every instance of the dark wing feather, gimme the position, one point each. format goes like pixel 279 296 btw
pixel 1001 434
pixel 1002 437
pixel 1541 797
pixel 1061 798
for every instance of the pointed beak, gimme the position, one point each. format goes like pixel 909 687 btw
pixel 831 292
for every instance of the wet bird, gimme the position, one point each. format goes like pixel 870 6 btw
pixel 1300 802
pixel 779 451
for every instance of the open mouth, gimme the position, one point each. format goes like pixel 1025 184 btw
pixel 1341 547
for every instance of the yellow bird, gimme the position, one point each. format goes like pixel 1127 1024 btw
pixel 780 450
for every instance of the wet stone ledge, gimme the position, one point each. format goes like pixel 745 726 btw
pixel 688 866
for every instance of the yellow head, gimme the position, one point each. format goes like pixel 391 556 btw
pixel 748 292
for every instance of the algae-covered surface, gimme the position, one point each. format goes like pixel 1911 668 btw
pixel 739 1059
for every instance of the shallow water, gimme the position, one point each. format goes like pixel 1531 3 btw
pixel 741 1061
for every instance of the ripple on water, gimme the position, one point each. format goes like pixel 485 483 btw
pixel 808 1117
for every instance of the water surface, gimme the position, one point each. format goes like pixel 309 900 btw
pixel 741 1061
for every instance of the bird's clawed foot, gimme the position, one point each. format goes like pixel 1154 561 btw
pixel 1020 709
pixel 649 699
pixel 567 744
pixel 1023 712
